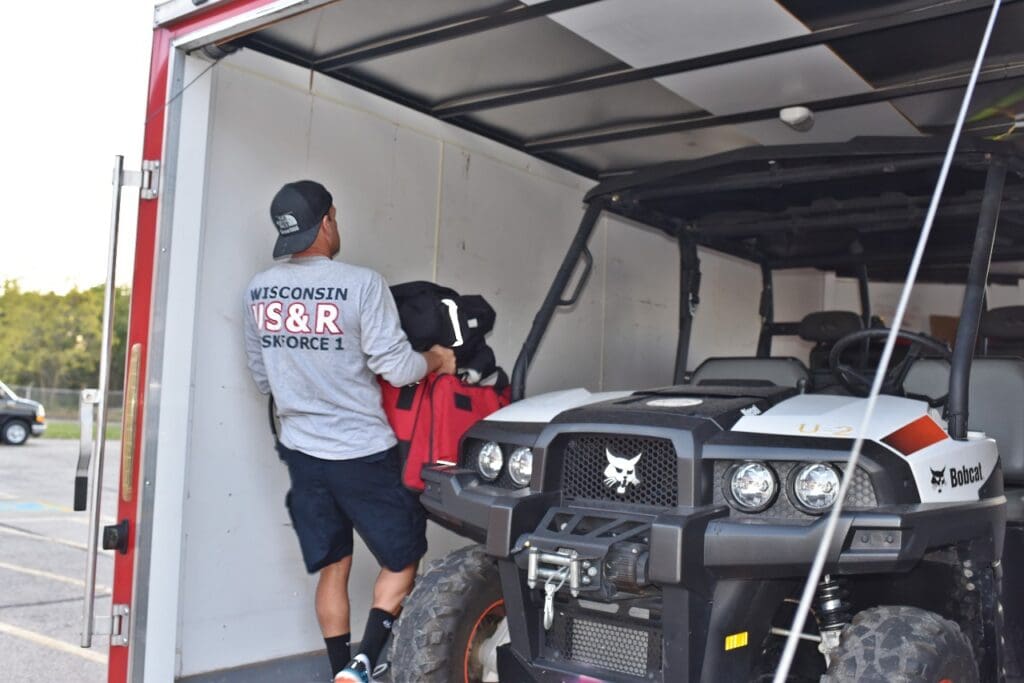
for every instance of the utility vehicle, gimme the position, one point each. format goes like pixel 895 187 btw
pixel 664 534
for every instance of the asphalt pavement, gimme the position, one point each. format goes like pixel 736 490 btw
pixel 43 564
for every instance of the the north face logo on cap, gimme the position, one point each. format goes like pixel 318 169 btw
pixel 286 224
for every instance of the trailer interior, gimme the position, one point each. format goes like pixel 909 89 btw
pixel 462 140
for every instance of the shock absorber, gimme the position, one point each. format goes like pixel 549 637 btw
pixel 833 612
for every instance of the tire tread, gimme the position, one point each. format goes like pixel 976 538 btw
pixel 422 650
pixel 902 644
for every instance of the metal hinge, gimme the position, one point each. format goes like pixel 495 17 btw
pixel 147 180
pixel 116 625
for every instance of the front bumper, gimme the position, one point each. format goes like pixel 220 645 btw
pixel 688 546
pixel 714 576
pixel 38 429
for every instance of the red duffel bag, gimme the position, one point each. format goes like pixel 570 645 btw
pixel 429 419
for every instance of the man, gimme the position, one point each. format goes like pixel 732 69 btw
pixel 316 333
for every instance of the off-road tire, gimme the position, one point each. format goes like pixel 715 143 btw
pixel 441 615
pixel 15 432
pixel 902 644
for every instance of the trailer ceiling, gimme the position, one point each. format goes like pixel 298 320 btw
pixel 605 86
pixel 614 89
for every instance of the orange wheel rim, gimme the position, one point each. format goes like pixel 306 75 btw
pixel 493 607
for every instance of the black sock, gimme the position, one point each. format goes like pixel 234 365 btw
pixel 378 628
pixel 338 651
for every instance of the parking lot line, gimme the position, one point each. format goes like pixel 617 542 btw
pixel 52 643
pixel 55 506
pixel 70 517
pixel 28 506
pixel 52 539
pixel 50 575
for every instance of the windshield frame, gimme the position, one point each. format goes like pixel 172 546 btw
pixel 5 391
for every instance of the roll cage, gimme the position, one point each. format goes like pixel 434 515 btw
pixel 852 208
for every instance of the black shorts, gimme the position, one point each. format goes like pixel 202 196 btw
pixel 329 498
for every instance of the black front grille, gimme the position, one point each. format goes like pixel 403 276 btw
pixel 625 648
pixel 586 459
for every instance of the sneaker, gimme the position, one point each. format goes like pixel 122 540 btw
pixel 357 671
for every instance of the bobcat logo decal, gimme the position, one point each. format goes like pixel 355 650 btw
pixel 938 478
pixel 621 472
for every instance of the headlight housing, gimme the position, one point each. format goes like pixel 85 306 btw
pixel 751 486
pixel 489 460
pixel 815 487
pixel 520 466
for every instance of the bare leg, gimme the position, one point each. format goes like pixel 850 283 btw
pixel 332 609
pixel 392 587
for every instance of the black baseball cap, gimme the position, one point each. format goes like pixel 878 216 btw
pixel 297 210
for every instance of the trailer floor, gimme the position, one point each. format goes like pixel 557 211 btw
pixel 307 668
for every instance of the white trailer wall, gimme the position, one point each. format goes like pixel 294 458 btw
pixel 925 300
pixel 417 199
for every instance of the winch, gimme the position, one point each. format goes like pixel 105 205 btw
pixel 589 552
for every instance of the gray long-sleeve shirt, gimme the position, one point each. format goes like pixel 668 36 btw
pixel 317 332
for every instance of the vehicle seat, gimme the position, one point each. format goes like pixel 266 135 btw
pixel 1002 331
pixel 745 370
pixel 825 328
pixel 995 403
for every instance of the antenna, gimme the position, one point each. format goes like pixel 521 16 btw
pixel 810 587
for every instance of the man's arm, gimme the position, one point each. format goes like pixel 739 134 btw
pixel 254 352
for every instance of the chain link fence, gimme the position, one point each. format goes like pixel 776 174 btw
pixel 62 404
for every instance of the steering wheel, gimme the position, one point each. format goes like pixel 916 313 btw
pixel 858 383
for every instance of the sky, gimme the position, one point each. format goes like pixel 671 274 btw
pixel 78 72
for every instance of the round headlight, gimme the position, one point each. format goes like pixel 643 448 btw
pixel 752 486
pixel 520 466
pixel 816 487
pixel 489 461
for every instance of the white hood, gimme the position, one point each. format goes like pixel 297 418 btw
pixel 833 416
pixel 544 407
pixel 944 470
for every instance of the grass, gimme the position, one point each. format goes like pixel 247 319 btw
pixel 71 430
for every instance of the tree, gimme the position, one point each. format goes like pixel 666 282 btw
pixel 53 340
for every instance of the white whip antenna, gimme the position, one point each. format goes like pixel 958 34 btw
pixel 810 587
